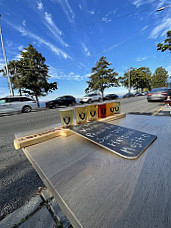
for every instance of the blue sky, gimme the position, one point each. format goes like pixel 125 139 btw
pixel 73 34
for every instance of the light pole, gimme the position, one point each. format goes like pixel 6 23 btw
pixel 5 58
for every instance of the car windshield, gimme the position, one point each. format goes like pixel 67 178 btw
pixel 58 98
pixel 158 89
pixel 87 95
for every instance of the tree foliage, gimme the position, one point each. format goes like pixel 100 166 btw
pixel 125 79
pixel 159 77
pixel 30 73
pixel 16 79
pixel 102 77
pixel 139 78
pixel 167 43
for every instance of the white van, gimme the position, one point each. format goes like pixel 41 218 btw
pixel 17 103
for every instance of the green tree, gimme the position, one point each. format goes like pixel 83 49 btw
pixel 125 79
pixel 34 73
pixel 142 78
pixel 29 74
pixel 13 68
pixel 159 77
pixel 139 78
pixel 102 77
pixel 167 43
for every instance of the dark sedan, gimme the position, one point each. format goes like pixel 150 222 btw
pixel 128 95
pixel 60 101
pixel 157 94
pixel 110 97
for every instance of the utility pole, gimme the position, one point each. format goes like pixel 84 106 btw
pixel 5 58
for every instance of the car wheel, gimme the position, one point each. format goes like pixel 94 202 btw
pixel 56 105
pixel 73 103
pixel 100 99
pixel 26 109
pixel 89 101
pixel 149 100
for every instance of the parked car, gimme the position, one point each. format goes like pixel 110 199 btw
pixel 110 97
pixel 144 93
pixel 157 94
pixel 89 98
pixel 17 103
pixel 138 94
pixel 128 95
pixel 64 100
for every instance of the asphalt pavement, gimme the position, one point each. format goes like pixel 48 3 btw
pixel 18 180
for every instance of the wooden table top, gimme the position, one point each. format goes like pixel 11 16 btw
pixel 96 188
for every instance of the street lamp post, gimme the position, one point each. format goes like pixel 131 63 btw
pixel 5 58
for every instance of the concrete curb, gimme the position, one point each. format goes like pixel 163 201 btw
pixel 41 211
pixel 22 213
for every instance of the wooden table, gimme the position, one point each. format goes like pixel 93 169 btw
pixel 96 188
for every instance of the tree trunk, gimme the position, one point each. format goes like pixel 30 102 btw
pixel 102 91
pixel 37 101
pixel 20 92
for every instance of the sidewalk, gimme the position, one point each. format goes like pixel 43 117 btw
pixel 41 211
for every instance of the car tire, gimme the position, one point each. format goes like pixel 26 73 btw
pixel 73 103
pixel 100 100
pixel 149 100
pixel 26 109
pixel 56 106
pixel 89 101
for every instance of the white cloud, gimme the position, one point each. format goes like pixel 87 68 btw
pixel 57 74
pixel 52 47
pixel 48 18
pixel 67 10
pixel 20 47
pixel 168 68
pixel 17 57
pixel 138 3
pixel 39 5
pixel 24 22
pixel 85 49
pixel 106 17
pixel 54 29
pixel 140 59
pixel 92 12
pixel 144 28
pixel 162 28
pixel 9 43
pixel 2 63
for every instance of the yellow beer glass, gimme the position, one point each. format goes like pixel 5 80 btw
pixel 67 117
pixel 92 112
pixel 81 114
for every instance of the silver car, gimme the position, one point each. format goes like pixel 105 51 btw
pixel 89 98
pixel 16 103
pixel 157 94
